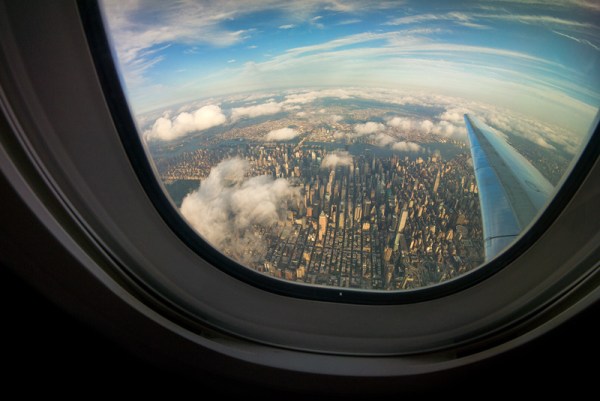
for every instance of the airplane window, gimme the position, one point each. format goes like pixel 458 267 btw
pixel 360 145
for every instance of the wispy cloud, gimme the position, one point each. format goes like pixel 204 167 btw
pixel 138 27
pixel 315 21
pixel 458 17
pixel 349 21
pixel 542 20
pixel 592 5
pixel 287 26
pixel 474 19
pixel 578 40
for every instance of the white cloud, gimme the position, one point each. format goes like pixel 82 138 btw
pixel 334 118
pixel 532 130
pixel 541 20
pixel 451 124
pixel 314 21
pixel 334 159
pixel 191 23
pixel 382 139
pixel 413 19
pixel 453 115
pixel 304 97
pixel 467 18
pixel 231 61
pixel 368 128
pixel 167 129
pixel 404 146
pixel 281 134
pixel 349 21
pixel 287 26
pixel 425 126
pixel 227 207
pixel 403 123
pixel 444 128
pixel 542 142
pixel 592 5
pixel 256 111
pixel 578 40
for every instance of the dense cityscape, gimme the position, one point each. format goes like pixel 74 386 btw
pixel 388 221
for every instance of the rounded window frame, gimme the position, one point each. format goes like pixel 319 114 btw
pixel 76 172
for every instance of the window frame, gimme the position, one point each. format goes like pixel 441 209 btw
pixel 132 257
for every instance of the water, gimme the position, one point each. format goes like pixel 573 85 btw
pixel 178 189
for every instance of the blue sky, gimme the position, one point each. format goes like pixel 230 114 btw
pixel 538 57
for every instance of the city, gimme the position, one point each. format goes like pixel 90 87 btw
pixel 377 222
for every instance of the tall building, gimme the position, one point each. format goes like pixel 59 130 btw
pixel 322 225
pixel 387 254
pixel 358 213
pixel 403 220
pixel 437 183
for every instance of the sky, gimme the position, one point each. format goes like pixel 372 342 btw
pixel 540 58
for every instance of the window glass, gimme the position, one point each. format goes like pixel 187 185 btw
pixel 371 145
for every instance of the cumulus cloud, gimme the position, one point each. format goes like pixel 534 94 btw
pixel 399 122
pixel 534 131
pixel 445 128
pixel 450 124
pixel 227 207
pixel 339 158
pixel 281 134
pixel 167 129
pixel 425 126
pixel 407 147
pixel 453 115
pixel 382 139
pixel 368 128
pixel 256 110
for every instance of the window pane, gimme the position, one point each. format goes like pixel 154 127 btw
pixel 370 145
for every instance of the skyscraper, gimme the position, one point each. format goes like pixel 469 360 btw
pixel 322 225
pixel 403 220
pixel 437 183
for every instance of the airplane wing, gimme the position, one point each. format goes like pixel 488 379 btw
pixel 511 190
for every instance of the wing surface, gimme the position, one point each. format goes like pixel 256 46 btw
pixel 511 190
